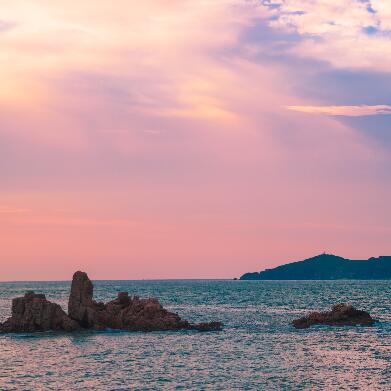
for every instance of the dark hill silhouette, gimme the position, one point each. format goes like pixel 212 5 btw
pixel 327 267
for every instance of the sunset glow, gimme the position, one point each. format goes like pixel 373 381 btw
pixel 192 138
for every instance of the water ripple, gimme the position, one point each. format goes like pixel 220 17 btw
pixel 258 349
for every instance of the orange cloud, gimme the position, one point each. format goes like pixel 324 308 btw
pixel 155 38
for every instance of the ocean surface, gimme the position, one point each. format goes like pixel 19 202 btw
pixel 257 350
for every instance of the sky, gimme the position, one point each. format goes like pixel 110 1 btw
pixel 192 138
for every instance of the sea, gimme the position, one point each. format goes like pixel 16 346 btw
pixel 258 349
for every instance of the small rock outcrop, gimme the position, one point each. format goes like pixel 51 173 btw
pixel 34 313
pixel 207 326
pixel 125 312
pixel 340 315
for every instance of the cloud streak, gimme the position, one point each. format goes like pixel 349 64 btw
pixel 347 111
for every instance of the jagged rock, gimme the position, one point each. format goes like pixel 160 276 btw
pixel 34 313
pixel 340 315
pixel 125 312
pixel 81 306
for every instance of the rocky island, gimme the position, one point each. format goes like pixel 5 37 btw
pixel 327 267
pixel 34 312
pixel 340 315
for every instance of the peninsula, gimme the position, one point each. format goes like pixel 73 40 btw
pixel 327 267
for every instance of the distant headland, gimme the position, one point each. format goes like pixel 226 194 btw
pixel 327 267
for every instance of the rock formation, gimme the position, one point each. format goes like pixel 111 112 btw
pixel 340 315
pixel 81 306
pixel 34 313
pixel 125 312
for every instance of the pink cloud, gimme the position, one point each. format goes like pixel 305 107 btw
pixel 337 32
pixel 348 111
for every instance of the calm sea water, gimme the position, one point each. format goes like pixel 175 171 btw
pixel 257 350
